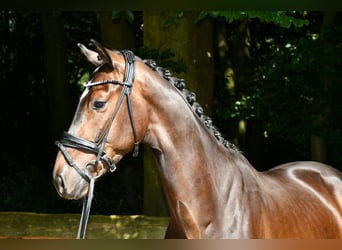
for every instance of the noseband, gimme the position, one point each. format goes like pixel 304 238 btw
pixel 70 141
pixel 97 148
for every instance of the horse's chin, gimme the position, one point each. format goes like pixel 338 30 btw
pixel 78 195
pixel 75 195
pixel 74 192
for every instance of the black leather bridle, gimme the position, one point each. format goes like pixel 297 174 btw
pixel 70 141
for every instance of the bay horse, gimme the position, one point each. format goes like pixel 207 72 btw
pixel 211 189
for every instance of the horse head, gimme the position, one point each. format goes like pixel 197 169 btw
pixel 110 121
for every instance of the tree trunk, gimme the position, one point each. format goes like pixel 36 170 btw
pixel 204 67
pixel 193 44
pixel 118 33
pixel 233 70
pixel 154 198
pixel 59 101
pixel 224 77
pixel 320 124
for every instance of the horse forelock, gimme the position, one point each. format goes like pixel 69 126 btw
pixel 191 99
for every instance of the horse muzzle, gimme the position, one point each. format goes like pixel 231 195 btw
pixel 70 187
pixel 72 181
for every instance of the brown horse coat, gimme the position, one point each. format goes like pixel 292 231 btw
pixel 211 189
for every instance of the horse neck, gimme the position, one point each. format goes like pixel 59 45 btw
pixel 194 166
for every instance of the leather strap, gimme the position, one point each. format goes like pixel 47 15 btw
pixel 71 141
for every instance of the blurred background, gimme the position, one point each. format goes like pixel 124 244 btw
pixel 270 80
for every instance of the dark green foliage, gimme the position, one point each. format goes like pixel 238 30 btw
pixel 163 58
pixel 129 15
pixel 285 92
pixel 284 19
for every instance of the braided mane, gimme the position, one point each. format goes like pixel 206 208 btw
pixel 191 98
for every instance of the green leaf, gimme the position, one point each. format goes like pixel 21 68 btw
pixel 116 15
pixel 300 22
pixel 201 16
pixel 169 20
pixel 285 22
pixel 129 16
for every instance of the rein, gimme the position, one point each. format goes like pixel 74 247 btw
pixel 70 141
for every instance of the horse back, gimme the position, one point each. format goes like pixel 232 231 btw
pixel 300 200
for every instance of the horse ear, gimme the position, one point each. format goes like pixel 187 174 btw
pixel 102 52
pixel 92 56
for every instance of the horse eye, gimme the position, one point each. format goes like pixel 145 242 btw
pixel 98 104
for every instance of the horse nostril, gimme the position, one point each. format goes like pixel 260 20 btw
pixel 60 184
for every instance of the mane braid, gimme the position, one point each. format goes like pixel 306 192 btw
pixel 191 98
